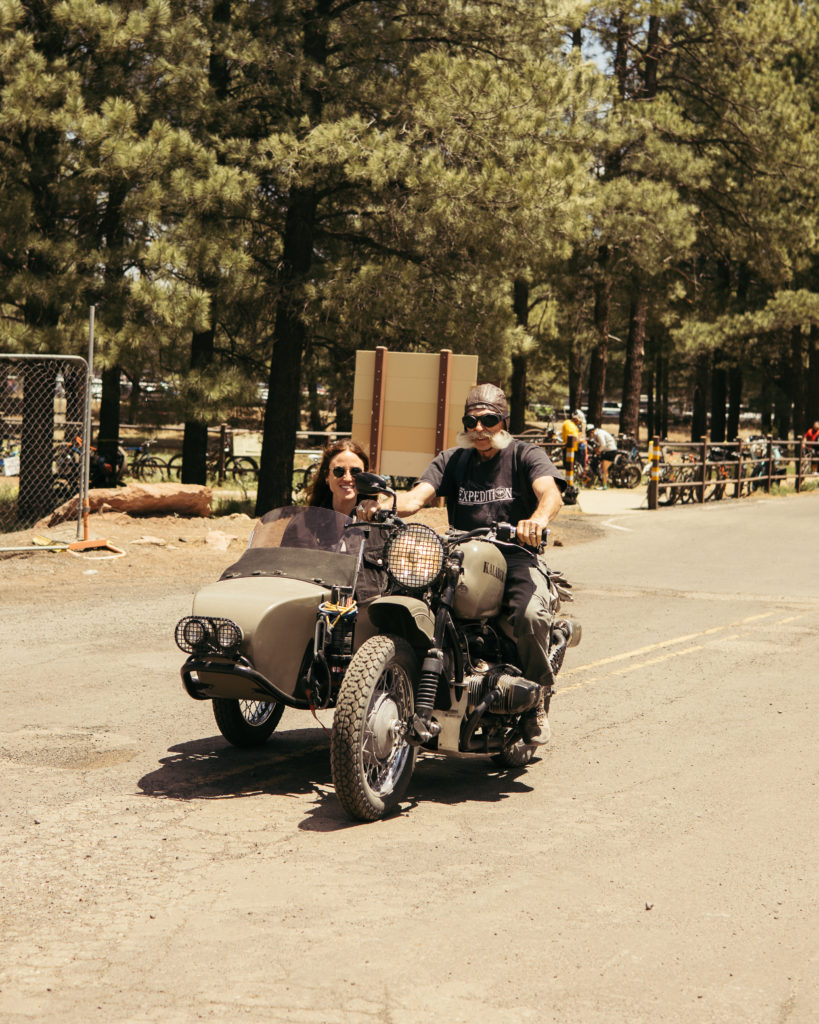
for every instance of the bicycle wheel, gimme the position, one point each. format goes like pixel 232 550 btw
pixel 667 495
pixel 630 475
pixel 175 467
pixel 715 486
pixel 148 469
pixel 242 469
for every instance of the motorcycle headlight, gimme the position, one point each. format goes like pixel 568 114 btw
pixel 414 557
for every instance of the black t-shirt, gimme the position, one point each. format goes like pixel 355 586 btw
pixel 480 492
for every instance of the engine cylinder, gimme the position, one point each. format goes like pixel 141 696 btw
pixel 518 694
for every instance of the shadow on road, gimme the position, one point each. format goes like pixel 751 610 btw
pixel 298 763
pixel 211 769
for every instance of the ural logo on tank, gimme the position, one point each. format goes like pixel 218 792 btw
pixel 494 570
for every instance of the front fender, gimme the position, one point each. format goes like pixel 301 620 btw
pixel 407 617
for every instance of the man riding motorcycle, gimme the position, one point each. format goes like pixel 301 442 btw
pixel 490 477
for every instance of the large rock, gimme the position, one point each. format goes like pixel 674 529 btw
pixel 141 499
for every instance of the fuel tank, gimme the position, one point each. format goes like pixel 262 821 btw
pixel 479 594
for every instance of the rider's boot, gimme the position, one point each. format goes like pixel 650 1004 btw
pixel 534 725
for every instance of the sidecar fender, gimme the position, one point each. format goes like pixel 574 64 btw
pixel 407 617
pixel 277 617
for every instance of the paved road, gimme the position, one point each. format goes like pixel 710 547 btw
pixel 657 864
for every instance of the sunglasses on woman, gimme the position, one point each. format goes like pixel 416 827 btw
pixel 488 419
pixel 339 471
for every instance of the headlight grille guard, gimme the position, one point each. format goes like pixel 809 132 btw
pixel 414 557
pixel 205 634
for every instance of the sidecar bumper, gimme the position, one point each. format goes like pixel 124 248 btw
pixel 205 678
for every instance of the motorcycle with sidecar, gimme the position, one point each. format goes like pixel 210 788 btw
pixel 400 629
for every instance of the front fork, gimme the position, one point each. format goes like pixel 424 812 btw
pixel 422 727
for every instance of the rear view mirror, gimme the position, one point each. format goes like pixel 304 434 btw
pixel 371 483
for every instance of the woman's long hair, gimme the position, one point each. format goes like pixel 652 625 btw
pixel 318 490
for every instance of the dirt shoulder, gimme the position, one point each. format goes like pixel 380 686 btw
pixel 170 547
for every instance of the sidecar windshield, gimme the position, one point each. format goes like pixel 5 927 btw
pixel 317 545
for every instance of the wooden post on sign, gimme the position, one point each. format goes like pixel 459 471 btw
pixel 377 421
pixel 442 414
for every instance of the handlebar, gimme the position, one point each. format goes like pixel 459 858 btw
pixel 505 533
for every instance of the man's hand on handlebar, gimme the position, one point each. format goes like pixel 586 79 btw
pixel 531 532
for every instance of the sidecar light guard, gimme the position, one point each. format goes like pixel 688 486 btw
pixel 201 634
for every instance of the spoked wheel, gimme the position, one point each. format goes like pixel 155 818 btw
pixel 149 469
pixel 370 758
pixel 631 475
pixel 242 469
pixel 246 723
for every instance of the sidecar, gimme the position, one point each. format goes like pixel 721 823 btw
pixel 279 626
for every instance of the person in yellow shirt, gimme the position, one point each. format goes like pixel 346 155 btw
pixel 573 427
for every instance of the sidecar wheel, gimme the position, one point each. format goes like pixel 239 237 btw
pixel 246 723
pixel 370 758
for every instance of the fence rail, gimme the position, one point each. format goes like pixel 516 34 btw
pixel 703 471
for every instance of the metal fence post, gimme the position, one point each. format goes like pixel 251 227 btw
pixel 223 429
pixel 703 469
pixel 738 488
pixel 571 444
pixel 654 479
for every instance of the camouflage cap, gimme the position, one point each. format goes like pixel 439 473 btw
pixel 487 396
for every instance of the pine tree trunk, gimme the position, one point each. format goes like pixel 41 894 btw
pixel 635 354
pixel 798 382
pixel 517 396
pixel 108 432
pixel 719 395
pixel 282 413
pixel 699 418
pixel 812 395
pixel 195 437
pixel 600 352
pixel 734 401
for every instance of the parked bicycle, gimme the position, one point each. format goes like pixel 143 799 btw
pixel 240 469
pixel 623 472
pixel 145 465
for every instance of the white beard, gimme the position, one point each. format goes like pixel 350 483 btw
pixel 502 439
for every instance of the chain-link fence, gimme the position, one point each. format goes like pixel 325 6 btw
pixel 44 427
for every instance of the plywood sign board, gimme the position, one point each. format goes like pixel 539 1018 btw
pixel 407 406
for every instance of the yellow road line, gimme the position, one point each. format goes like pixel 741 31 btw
pixel 670 643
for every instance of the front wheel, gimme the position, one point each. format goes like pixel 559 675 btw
pixel 246 723
pixel 370 758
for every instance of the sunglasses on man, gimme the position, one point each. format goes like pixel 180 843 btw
pixel 339 471
pixel 488 419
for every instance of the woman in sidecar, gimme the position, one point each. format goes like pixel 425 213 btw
pixel 277 629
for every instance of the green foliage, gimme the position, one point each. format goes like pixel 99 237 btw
pixel 153 158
